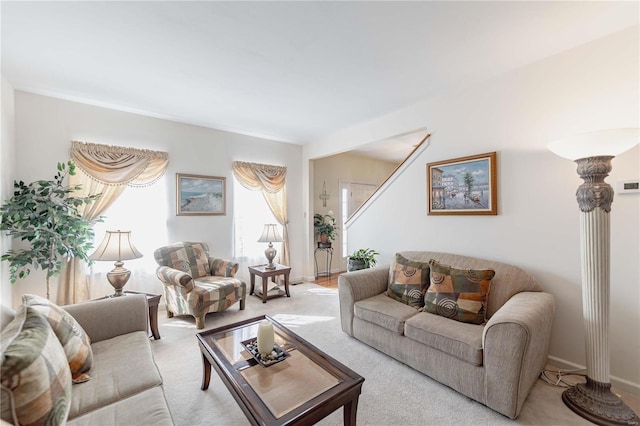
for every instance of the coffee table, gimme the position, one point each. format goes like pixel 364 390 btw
pixel 303 389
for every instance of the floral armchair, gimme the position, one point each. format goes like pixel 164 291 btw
pixel 195 283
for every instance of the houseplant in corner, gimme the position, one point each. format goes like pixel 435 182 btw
pixel 362 259
pixel 325 228
pixel 45 215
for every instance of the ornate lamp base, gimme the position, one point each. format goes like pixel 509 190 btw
pixel 118 277
pixel 270 253
pixel 595 402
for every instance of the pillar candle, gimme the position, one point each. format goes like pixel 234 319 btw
pixel 265 337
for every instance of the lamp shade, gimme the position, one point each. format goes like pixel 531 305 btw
pixel 270 234
pixel 116 245
pixel 595 144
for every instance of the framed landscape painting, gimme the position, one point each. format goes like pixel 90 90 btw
pixel 463 186
pixel 198 195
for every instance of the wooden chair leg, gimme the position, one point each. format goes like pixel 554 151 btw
pixel 242 301
pixel 200 322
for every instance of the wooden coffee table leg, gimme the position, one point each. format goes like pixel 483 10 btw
pixel 206 373
pixel 253 283
pixel 350 409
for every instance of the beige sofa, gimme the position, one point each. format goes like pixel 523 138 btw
pixel 495 364
pixel 125 386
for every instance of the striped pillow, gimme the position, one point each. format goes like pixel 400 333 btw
pixel 74 340
pixel 34 371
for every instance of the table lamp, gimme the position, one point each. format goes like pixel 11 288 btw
pixel 117 246
pixel 593 152
pixel 270 235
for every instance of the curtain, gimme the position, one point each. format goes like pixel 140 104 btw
pixel 105 170
pixel 270 180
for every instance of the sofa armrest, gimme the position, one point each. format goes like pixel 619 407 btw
pixel 170 276
pixel 515 346
pixel 359 285
pixel 223 267
pixel 111 317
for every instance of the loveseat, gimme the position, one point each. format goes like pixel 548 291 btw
pixel 496 362
pixel 118 382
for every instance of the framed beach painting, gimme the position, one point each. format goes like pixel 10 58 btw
pixel 463 186
pixel 198 195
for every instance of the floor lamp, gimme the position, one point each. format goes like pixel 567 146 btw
pixel 593 152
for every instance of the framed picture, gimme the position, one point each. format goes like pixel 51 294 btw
pixel 463 186
pixel 198 195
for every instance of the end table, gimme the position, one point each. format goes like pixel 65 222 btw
pixel 265 273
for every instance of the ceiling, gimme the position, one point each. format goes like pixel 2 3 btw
pixel 288 71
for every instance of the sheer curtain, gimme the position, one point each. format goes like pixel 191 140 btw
pixel 105 170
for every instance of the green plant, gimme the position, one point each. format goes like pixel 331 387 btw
pixel 325 225
pixel 46 216
pixel 366 256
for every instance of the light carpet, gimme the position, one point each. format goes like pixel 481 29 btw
pixel 392 394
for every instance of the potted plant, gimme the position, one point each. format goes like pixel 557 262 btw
pixel 325 228
pixel 362 259
pixel 45 215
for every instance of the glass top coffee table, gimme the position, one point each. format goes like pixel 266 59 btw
pixel 305 387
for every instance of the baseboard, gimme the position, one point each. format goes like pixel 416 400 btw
pixel 616 382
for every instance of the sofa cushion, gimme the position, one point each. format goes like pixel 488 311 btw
pixel 148 407
pixel 408 281
pixel 74 340
pixel 385 312
pixel 460 340
pixel 34 371
pixel 122 366
pixel 459 294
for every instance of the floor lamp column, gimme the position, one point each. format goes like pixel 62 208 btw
pixel 593 153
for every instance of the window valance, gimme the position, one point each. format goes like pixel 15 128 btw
pixel 255 176
pixel 116 165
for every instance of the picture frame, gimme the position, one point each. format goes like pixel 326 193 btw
pixel 463 186
pixel 199 195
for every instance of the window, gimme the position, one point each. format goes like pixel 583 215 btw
pixel 143 211
pixel 250 214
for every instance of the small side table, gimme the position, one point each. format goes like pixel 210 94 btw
pixel 153 300
pixel 329 258
pixel 261 271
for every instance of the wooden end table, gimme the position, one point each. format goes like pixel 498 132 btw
pixel 301 390
pixel 153 300
pixel 265 273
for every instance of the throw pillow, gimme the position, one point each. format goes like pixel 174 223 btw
pixel 74 340
pixel 408 281
pixel 34 371
pixel 459 294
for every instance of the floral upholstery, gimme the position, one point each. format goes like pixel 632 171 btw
pixel 195 283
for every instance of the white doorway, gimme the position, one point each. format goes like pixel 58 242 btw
pixel 352 196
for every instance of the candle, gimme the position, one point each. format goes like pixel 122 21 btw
pixel 265 337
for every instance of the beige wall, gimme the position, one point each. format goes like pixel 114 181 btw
pixel 592 87
pixel 333 170
pixel 45 126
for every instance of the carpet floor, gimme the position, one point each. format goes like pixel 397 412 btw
pixel 392 394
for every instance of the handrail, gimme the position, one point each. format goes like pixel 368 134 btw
pixel 391 176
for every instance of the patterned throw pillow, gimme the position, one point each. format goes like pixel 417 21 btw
pixel 408 281
pixel 459 294
pixel 34 370
pixel 74 340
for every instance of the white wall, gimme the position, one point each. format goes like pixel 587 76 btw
pixel 591 87
pixel 7 159
pixel 45 126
